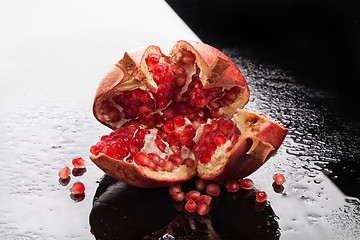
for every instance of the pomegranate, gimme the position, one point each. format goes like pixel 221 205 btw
pixel 175 117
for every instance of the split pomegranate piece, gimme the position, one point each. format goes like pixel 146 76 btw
pixel 175 117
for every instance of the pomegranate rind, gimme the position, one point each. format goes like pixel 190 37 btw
pixel 260 139
pixel 137 175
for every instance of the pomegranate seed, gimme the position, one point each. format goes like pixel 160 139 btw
pixel 153 59
pixel 213 189
pixel 125 141
pixel 193 194
pixel 232 186
pixel 141 159
pixel 204 199
pixel 94 150
pixel 168 166
pixel 219 139
pixel 186 141
pixel 107 151
pixel 179 121
pixel 261 197
pixel 78 162
pixel 174 189
pixel 205 157
pixel 189 131
pixel 169 127
pixel 123 151
pixel 64 173
pixel 200 184
pixel 190 206
pixel 189 162
pixel 178 196
pixel 279 179
pixel 160 144
pixel 77 188
pixel 202 208
pixel 176 159
pixel 180 81
pixel 160 69
pixel 169 114
pixel 246 184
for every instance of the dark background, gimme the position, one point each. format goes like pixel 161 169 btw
pixel 316 42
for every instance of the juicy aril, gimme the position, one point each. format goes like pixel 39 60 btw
pixel 178 116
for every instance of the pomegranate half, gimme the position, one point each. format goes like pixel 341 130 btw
pixel 178 116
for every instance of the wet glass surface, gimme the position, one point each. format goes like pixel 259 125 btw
pixel 47 121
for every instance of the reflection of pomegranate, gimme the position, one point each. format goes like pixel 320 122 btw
pixel 177 116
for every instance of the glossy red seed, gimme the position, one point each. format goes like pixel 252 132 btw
pixel 261 197
pixel 189 162
pixel 178 196
pixel 64 173
pixel 174 189
pixel 232 186
pixel 176 159
pixel 202 208
pixel 200 184
pixel 204 199
pixel 246 184
pixel 141 159
pixel 168 166
pixel 213 189
pixel 78 162
pixel 219 139
pixel 193 194
pixel 169 127
pixel 190 206
pixel 179 121
pixel 94 150
pixel 279 179
pixel 77 188
pixel 169 114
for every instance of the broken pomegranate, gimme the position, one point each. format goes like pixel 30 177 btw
pixel 175 117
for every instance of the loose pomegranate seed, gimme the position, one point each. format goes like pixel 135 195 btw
pixel 261 196
pixel 190 206
pixel 213 189
pixel 200 184
pixel 77 188
pixel 246 184
pixel 78 162
pixel 193 194
pixel 202 208
pixel 174 189
pixel 204 199
pixel 279 179
pixel 232 186
pixel 64 173
pixel 178 196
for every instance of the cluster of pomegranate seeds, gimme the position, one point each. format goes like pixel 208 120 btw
pixel 123 142
pixel 279 179
pixel 261 196
pixel 214 135
pixel 177 133
pixel 78 162
pixel 64 173
pixel 195 201
pixel 77 188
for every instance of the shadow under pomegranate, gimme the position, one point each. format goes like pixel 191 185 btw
pixel 121 211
